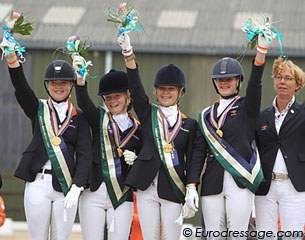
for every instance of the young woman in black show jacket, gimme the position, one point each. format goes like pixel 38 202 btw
pixel 170 142
pixel 56 164
pixel 233 171
pixel 116 140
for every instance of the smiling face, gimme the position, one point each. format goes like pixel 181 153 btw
pixel 117 102
pixel 59 89
pixel 227 86
pixel 285 84
pixel 167 95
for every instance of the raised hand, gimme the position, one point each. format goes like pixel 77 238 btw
pixel 124 42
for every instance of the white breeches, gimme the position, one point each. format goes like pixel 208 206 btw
pixel 282 199
pixel 154 211
pixel 45 212
pixel 231 209
pixel 95 209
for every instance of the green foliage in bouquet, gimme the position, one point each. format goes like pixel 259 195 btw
pixel 20 26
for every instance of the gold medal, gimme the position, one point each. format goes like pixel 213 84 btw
pixel 120 151
pixel 219 133
pixel 56 141
pixel 168 148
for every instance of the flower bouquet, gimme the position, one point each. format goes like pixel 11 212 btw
pixel 77 48
pixel 17 24
pixel 254 27
pixel 14 24
pixel 125 18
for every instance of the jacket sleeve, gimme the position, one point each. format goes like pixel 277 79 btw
pixel 90 111
pixel 23 92
pixel 254 91
pixel 198 148
pixel 83 152
pixel 140 100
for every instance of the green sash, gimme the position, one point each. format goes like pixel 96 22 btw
pixel 248 174
pixel 167 159
pixel 111 165
pixel 56 155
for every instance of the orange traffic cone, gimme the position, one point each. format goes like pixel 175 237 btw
pixel 136 232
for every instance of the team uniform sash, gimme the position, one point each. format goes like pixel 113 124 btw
pixel 110 158
pixel 54 143
pixel 249 174
pixel 164 141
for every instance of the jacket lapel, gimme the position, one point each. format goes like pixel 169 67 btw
pixel 271 119
pixel 292 112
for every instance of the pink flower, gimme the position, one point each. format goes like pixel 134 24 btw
pixel 16 15
pixel 122 7
pixel 72 38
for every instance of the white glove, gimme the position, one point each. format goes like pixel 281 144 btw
pixel 124 41
pixel 72 196
pixel 8 44
pixel 78 62
pixel 129 157
pixel 187 212
pixel 264 41
pixel 191 198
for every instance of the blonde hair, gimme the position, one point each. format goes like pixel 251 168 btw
pixel 281 64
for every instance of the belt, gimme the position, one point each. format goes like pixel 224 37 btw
pixel 45 171
pixel 279 176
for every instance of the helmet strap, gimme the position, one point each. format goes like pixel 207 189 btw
pixel 229 96
pixel 65 99
pixel 181 93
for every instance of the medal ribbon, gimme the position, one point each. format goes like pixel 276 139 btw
pixel 170 135
pixel 168 159
pixel 249 174
pixel 58 155
pixel 223 115
pixel 111 166
pixel 60 130
pixel 116 132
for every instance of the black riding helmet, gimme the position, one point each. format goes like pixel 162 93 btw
pixel 225 68
pixel 59 70
pixel 170 75
pixel 114 81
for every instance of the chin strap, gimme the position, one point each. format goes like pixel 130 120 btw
pixel 230 96
pixel 45 86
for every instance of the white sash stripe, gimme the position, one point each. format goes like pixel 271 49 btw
pixel 110 160
pixel 168 157
pixel 56 149
pixel 231 160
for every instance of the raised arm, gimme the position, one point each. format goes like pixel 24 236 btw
pixel 84 101
pixel 254 88
pixel 140 100
pixel 23 92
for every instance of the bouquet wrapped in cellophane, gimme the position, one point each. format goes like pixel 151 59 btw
pixel 77 48
pixel 14 24
pixel 254 27
pixel 125 18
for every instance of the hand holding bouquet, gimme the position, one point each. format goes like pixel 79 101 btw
pixel 14 24
pixel 260 34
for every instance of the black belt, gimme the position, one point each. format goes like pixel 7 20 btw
pixel 45 171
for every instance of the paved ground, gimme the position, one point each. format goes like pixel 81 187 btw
pixel 18 231
pixel 24 236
